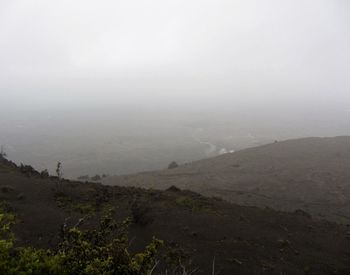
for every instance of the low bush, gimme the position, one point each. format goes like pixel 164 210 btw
pixel 173 165
pixel 104 250
pixel 187 202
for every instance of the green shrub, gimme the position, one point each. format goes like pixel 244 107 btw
pixel 187 202
pixel 104 250
pixel 63 201
pixel 195 205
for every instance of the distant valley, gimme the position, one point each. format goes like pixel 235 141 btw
pixel 128 139
pixel 310 174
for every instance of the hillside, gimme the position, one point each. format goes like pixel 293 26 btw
pixel 242 240
pixel 311 174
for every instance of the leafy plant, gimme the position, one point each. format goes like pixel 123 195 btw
pixel 104 250
pixel 190 203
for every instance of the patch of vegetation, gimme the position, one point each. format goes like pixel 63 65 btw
pixel 174 255
pixel 195 204
pixel 44 174
pixel 190 203
pixel 187 202
pixel 28 170
pixel 104 250
pixel 173 165
pixel 62 200
pixel 65 202
pixel 83 208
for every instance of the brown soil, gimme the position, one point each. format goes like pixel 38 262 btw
pixel 241 239
pixel 311 174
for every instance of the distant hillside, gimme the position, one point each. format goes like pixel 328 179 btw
pixel 242 240
pixel 312 174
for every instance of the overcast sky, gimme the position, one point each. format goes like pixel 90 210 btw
pixel 262 50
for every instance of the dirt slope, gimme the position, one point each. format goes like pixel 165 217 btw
pixel 312 174
pixel 243 240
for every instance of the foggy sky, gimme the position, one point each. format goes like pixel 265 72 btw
pixel 162 51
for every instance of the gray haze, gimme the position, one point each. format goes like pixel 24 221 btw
pixel 125 86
